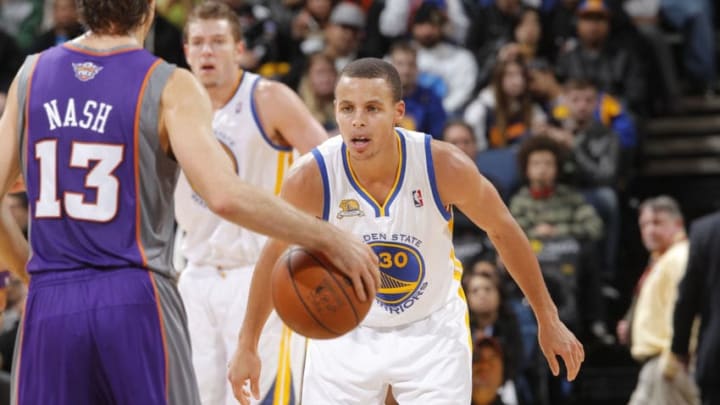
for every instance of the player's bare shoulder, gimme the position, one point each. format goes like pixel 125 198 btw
pixel 448 159
pixel 455 172
pixel 271 91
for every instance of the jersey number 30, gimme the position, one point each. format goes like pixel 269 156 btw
pixel 100 177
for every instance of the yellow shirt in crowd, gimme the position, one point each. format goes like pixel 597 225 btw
pixel 653 318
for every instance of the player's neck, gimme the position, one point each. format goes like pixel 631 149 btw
pixel 380 167
pixel 109 41
pixel 221 95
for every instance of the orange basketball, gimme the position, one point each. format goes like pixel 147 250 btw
pixel 313 298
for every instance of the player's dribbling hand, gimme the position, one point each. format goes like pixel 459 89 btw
pixel 357 261
pixel 244 367
pixel 556 340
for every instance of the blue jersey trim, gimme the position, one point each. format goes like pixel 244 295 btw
pixel 256 118
pixel 403 165
pixel 351 179
pixel 381 209
pixel 326 183
pixel 433 183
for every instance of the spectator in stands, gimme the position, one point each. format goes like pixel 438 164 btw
pixel 468 239
pixel 316 90
pixel 492 23
pixel 424 111
pixel 653 311
pixel 394 12
pixel 487 372
pixel 698 295
pixel 548 211
pixel 460 134
pixel 492 316
pixel 343 33
pixel 525 43
pixel 613 67
pixel 341 37
pixel 453 64
pixel 694 18
pixel 655 247
pixel 308 24
pixel 548 93
pixel 645 15
pixel 594 160
pixel 66 26
pixel 503 113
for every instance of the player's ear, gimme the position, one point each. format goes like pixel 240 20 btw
pixel 399 111
pixel 239 50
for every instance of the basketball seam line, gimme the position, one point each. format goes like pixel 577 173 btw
pixel 289 267
pixel 347 297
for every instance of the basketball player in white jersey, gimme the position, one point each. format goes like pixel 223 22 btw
pixel 403 186
pixel 258 122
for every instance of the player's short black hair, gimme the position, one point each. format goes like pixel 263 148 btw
pixel 373 68
pixel 113 17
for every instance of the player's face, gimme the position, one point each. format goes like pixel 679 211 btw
pixel 212 52
pixel 541 168
pixel 366 115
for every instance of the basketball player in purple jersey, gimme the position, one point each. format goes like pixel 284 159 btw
pixel 96 127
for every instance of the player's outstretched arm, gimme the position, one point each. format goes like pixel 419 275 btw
pixel 187 116
pixel 303 189
pixel 245 364
pixel 461 184
pixel 283 112
pixel 14 250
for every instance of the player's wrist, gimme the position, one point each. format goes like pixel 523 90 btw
pixel 247 342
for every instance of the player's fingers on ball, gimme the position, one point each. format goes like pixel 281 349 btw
pixel 359 287
pixel 370 284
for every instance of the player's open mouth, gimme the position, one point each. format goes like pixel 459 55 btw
pixel 359 141
pixel 207 68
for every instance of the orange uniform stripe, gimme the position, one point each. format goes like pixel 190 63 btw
pixel 136 150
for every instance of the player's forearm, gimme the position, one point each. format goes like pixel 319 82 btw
pixel 522 264
pixel 264 213
pixel 14 250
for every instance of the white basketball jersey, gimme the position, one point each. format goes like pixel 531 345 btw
pixel 210 239
pixel 410 232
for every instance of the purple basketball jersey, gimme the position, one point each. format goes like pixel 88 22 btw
pixel 96 177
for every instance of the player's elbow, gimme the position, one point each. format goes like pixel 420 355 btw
pixel 221 204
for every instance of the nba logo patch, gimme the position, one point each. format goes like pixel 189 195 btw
pixel 86 71
pixel 417 198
